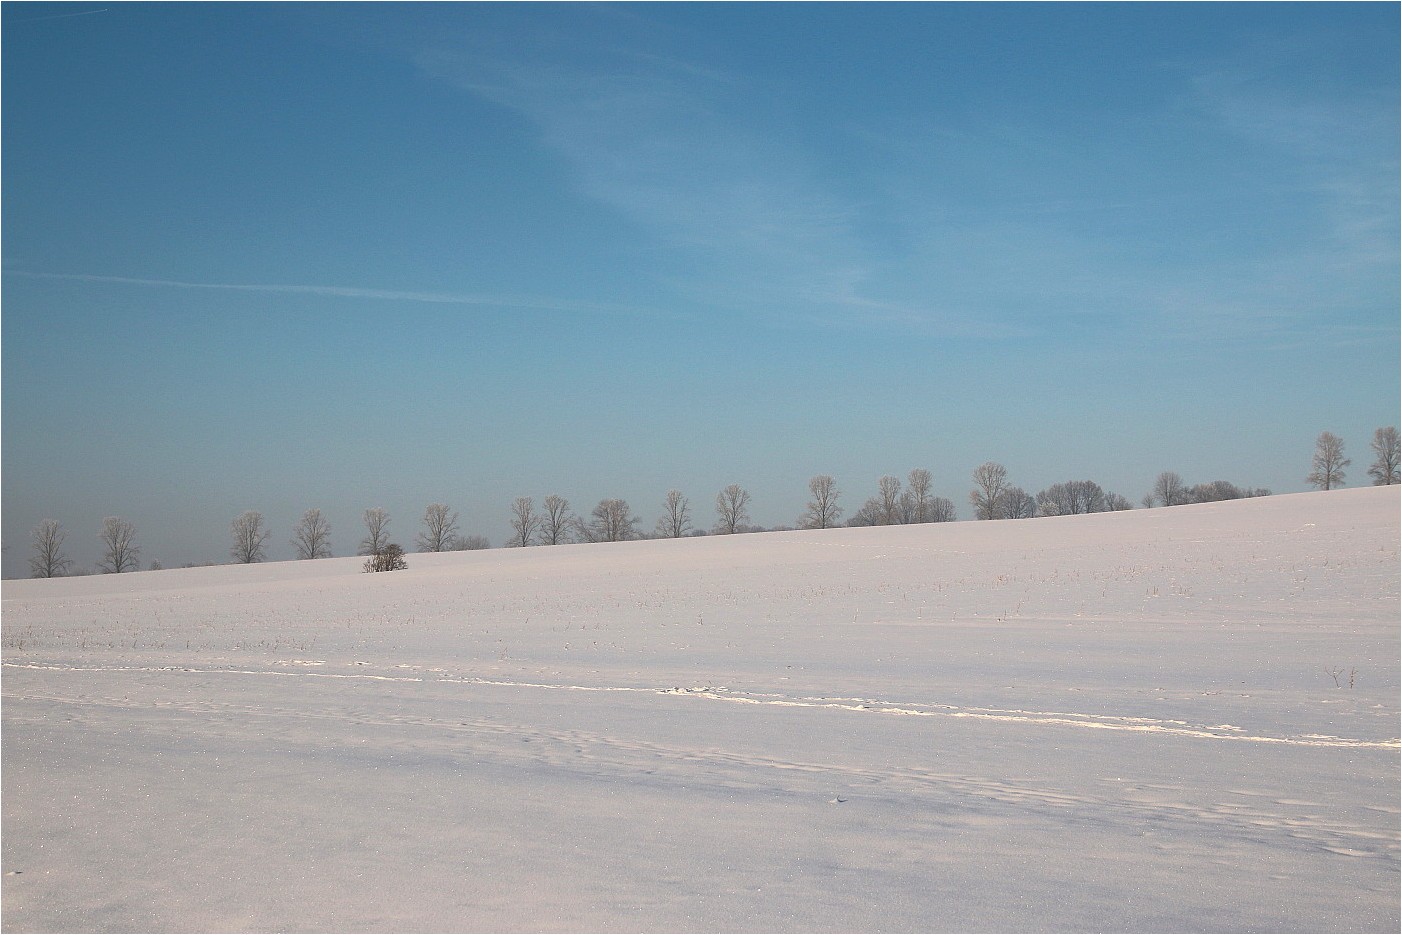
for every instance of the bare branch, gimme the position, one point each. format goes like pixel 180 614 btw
pixel 524 521
pixel 249 536
pixel 888 495
pixel 676 516
pixel 1329 462
pixel 823 511
pixel 613 522
pixel 48 560
pixel 312 536
pixel 1169 490
pixel 557 521
pixel 440 526
pixel 377 531
pixel 991 479
pixel 1384 471
pixel 731 506
pixel 120 552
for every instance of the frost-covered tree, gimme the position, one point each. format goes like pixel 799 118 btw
pixel 120 552
pixel 48 560
pixel 1384 471
pixel 440 526
pixel 1329 462
pixel 731 504
pixel 311 537
pixel 823 511
pixel 676 516
pixel 249 537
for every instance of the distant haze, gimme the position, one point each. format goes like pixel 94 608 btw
pixel 273 257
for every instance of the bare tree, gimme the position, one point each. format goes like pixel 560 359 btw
pixel 731 506
pixel 919 484
pixel 312 536
pixel 1213 491
pixel 823 511
pixel 1384 471
pixel 249 536
pixel 1169 490
pixel 1016 503
pixel 1087 495
pixel 440 526
pixel 557 521
pixel 1115 503
pixel 524 521
pixel 120 552
pixel 868 514
pixel 613 522
pixel 1072 497
pixel 991 479
pixel 888 495
pixel 376 531
pixel 941 510
pixel 906 509
pixel 1329 462
pixel 48 560
pixel 676 516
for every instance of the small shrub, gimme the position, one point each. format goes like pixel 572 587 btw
pixel 468 543
pixel 389 558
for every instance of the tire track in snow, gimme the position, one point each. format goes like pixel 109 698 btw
pixel 867 706
pixel 1062 719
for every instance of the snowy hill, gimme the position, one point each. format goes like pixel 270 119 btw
pixel 1174 719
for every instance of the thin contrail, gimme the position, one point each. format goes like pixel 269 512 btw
pixel 355 292
pixel 59 16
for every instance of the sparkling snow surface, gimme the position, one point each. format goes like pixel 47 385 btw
pixel 1097 723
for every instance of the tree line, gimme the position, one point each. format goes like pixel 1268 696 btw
pixel 612 520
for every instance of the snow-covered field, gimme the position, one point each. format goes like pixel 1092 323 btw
pixel 1098 723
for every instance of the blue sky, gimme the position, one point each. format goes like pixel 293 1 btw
pixel 280 256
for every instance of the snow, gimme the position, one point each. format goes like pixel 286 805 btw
pixel 1117 722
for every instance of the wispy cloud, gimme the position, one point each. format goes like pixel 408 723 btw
pixel 1336 171
pixel 1341 151
pixel 355 292
pixel 989 228
pixel 671 146
pixel 1270 216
